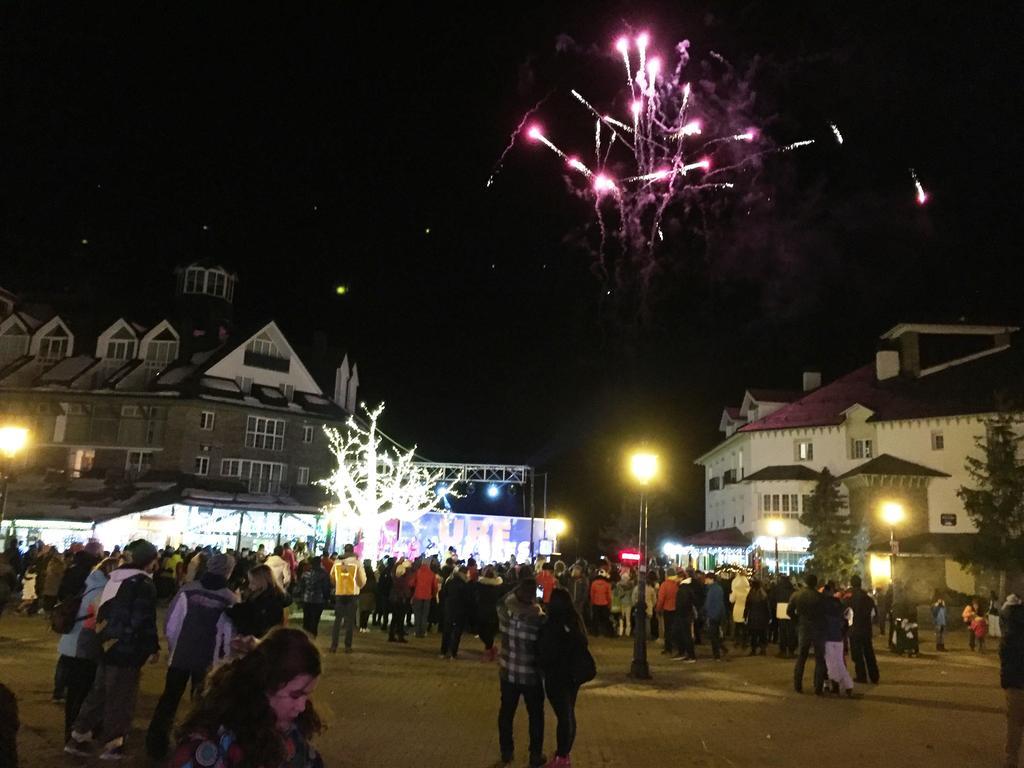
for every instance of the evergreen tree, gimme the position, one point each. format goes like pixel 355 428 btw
pixel 996 504
pixel 833 545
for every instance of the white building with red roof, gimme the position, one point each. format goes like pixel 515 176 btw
pixel 897 429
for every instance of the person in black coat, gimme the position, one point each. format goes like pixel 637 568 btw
pixel 562 640
pixel 263 609
pixel 1011 673
pixel 861 633
pixel 457 603
pixel 488 592
pixel 756 617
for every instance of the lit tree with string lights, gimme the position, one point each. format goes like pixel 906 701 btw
pixel 376 480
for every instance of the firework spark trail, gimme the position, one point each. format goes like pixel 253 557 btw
pixel 512 139
pixel 836 133
pixel 922 196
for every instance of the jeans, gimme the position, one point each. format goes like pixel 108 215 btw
pixel 1014 725
pixel 451 635
pixel 345 609
pixel 683 638
pixel 715 635
pixel 311 613
pixel 111 701
pixel 787 637
pixel 669 618
pixel 421 612
pixel 534 697
pixel 80 676
pixel 60 677
pixel 863 653
pixel 159 733
pixel 397 628
pixel 563 702
pixel 940 638
pixel 808 638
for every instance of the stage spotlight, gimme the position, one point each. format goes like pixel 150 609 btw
pixel 493 491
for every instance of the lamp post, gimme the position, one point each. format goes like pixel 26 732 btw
pixel 776 528
pixel 643 467
pixel 12 441
pixel 893 514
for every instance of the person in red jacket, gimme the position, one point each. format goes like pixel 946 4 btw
pixel 424 592
pixel 601 604
pixel 666 607
pixel 546 579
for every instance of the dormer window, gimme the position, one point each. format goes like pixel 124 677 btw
pixel 13 343
pixel 195 280
pixel 262 345
pixel 161 351
pixel 121 345
pixel 216 282
pixel 53 346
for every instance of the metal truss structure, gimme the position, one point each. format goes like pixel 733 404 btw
pixel 480 473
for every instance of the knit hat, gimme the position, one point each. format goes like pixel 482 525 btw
pixel 140 553
pixel 220 565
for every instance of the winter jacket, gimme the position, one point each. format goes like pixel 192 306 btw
pixel 126 618
pixel 424 584
pixel 54 576
pixel 624 594
pixel 81 642
pixel 650 598
pixel 198 629
pixel 779 595
pixel 806 608
pixel 833 620
pixel 557 646
pixel 684 598
pixel 863 607
pixel 601 591
pixel 667 595
pixel 281 570
pixel 348 576
pixel 579 591
pixel 74 577
pixel 316 587
pixel 714 602
pixel 546 579
pixel 488 593
pixel 258 615
pixel 457 598
pixel 755 611
pixel 738 596
pixel 520 627
pixel 1011 648
pixel 401 588
pixel 368 594
pixel 939 615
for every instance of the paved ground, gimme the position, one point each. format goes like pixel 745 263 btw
pixel 388 704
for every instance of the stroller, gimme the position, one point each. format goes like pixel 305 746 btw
pixel 904 637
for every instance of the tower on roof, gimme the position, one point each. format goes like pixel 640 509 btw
pixel 205 298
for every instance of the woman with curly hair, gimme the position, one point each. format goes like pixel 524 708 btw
pixel 256 710
pixel 263 607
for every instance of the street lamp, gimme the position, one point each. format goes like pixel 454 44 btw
pixel 12 441
pixel 643 466
pixel 776 528
pixel 893 514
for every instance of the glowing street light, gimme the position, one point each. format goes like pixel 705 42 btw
pixel 12 442
pixel 644 467
pixel 893 513
pixel 556 526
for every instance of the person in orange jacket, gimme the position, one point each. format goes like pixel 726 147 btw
pixel 666 607
pixel 546 579
pixel 601 604
pixel 424 592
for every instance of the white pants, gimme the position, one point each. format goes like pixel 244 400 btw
pixel 836 666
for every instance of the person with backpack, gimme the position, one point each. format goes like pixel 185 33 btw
pixel 348 578
pixel 199 635
pixel 126 628
pixel 316 593
pixel 567 664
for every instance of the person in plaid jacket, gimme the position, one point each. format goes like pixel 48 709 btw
pixel 520 619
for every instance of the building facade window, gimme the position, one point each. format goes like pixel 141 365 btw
pixel 216 282
pixel 262 345
pixel 302 476
pixel 195 280
pixel 307 434
pixel 131 411
pixel 262 476
pixel 863 449
pixel 120 350
pixel 207 420
pixel 264 433
pixel 53 348
pixel 804 450
pixel 938 441
pixel 202 466
pixel 138 462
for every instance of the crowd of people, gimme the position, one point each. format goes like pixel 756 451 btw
pixel 226 637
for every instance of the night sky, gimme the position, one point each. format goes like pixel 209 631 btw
pixel 352 147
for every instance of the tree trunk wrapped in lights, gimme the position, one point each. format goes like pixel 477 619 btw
pixel 374 483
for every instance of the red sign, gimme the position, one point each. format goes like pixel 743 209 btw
pixel 629 556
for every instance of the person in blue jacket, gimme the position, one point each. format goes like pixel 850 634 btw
pixel 714 613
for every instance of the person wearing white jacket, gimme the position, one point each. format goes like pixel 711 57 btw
pixel 280 568
pixel 738 598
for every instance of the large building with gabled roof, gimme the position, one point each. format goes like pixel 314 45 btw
pixel 898 429
pixel 184 428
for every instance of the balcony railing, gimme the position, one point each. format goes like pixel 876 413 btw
pixel 267 362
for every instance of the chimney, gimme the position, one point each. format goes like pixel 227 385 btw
pixel 812 380
pixel 910 354
pixel 887 364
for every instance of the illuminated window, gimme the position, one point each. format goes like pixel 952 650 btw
pixel 804 450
